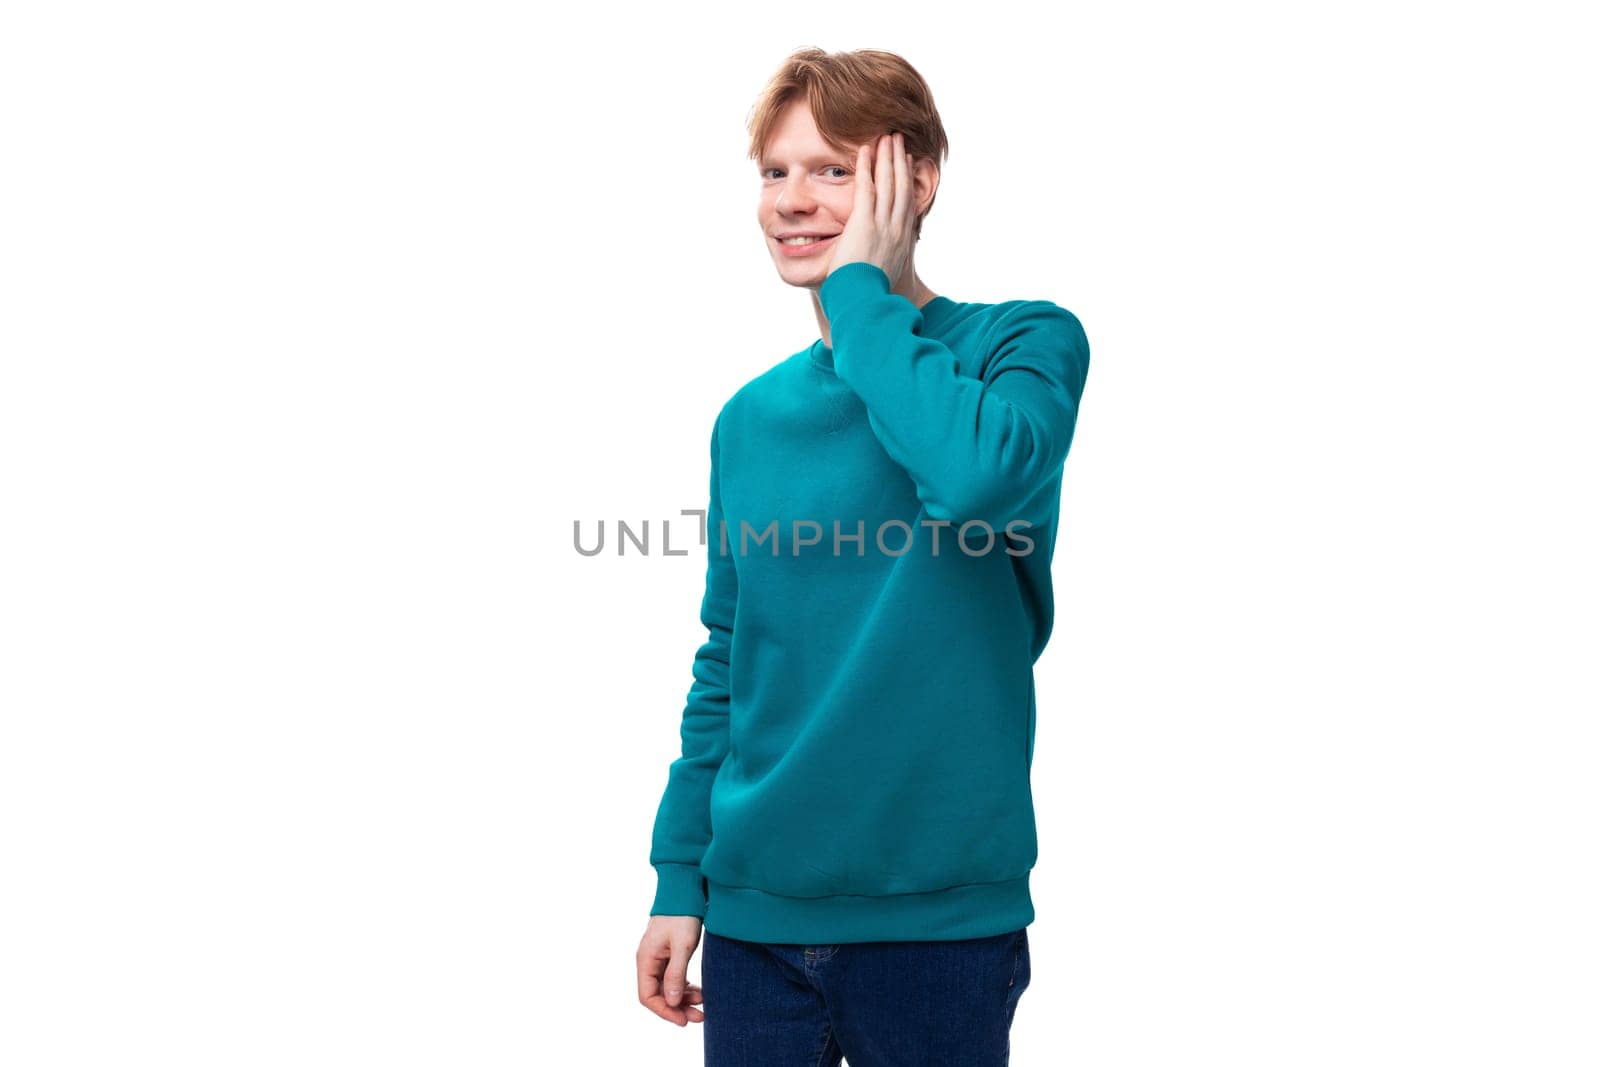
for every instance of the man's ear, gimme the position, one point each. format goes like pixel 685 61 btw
pixel 924 184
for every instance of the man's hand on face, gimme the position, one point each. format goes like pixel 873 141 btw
pixel 880 228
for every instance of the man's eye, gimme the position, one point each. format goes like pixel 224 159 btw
pixel 769 172
pixel 842 172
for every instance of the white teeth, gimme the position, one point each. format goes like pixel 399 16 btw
pixel 801 240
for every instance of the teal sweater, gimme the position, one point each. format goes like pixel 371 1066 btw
pixel 857 741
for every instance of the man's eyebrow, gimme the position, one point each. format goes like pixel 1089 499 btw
pixel 830 157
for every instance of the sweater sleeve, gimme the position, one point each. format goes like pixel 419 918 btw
pixel 683 821
pixel 986 447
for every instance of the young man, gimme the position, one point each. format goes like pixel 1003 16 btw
pixel 851 819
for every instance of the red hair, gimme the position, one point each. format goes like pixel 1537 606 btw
pixel 855 97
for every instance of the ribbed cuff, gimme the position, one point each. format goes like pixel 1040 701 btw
pixel 680 890
pixel 854 283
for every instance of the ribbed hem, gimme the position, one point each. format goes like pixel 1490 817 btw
pixel 978 909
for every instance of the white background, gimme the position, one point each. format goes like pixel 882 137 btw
pixel 323 322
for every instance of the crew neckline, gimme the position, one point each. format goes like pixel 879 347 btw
pixel 933 312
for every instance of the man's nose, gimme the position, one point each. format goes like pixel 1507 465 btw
pixel 795 197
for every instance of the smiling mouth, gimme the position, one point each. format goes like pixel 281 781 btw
pixel 800 242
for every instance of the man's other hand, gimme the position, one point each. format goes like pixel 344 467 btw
pixel 663 960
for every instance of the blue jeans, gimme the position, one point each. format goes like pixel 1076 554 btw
pixel 878 1003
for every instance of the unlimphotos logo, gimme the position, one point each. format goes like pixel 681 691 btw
pixel 766 540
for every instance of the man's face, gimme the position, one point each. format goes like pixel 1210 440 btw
pixel 806 188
